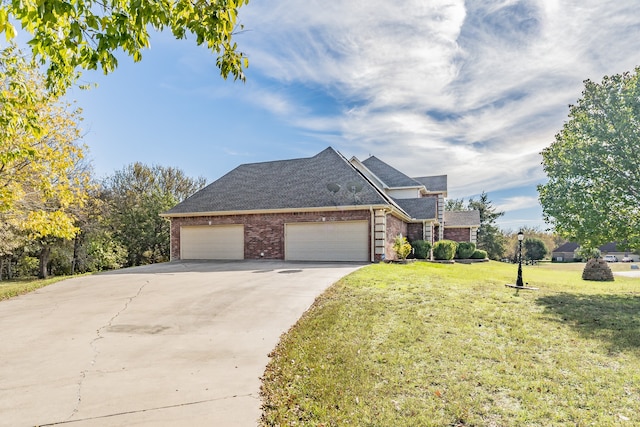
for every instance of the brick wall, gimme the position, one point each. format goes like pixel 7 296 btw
pixel 457 234
pixel 414 231
pixel 263 233
pixel 394 227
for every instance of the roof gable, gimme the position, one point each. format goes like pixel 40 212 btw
pixel 567 247
pixel 388 174
pixel 323 180
pixel 436 183
pixel 423 208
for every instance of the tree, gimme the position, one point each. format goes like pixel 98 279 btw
pixel 534 249
pixel 585 254
pixel 593 193
pixel 94 247
pixel 136 195
pixel 84 34
pixel 40 181
pixel 11 239
pixel 551 241
pixel 455 205
pixel 490 238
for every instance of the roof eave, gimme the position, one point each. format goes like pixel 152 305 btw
pixel 275 211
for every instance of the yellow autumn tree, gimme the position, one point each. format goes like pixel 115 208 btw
pixel 42 181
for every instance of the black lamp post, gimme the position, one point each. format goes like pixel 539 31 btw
pixel 519 283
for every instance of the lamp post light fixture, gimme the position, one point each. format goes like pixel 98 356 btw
pixel 519 283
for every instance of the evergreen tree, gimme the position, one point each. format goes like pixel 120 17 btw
pixel 490 237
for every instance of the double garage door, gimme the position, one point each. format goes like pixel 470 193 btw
pixel 212 242
pixel 306 241
pixel 326 241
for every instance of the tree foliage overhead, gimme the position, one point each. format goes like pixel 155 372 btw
pixel 39 176
pixel 84 34
pixel 593 193
pixel 43 181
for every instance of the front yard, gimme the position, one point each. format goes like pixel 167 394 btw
pixel 12 288
pixel 449 345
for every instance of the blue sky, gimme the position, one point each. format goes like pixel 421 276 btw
pixel 474 90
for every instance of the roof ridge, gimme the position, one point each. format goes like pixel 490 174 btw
pixel 388 179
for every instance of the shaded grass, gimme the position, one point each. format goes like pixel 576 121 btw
pixel 450 345
pixel 12 288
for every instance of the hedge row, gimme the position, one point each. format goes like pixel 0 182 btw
pixel 447 250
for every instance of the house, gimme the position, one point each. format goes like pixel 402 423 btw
pixel 321 208
pixel 567 252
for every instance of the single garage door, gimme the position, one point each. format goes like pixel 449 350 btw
pixel 212 242
pixel 327 241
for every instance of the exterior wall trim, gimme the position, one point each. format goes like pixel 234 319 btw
pixel 274 211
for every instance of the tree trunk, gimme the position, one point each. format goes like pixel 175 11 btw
pixel 45 253
pixel 74 260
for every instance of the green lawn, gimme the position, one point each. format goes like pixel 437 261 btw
pixel 449 345
pixel 12 288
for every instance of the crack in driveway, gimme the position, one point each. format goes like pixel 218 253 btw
pixel 96 352
pixel 158 408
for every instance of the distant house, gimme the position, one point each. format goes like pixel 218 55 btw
pixel 321 208
pixel 567 252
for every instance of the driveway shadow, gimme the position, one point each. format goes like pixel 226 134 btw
pixel 611 318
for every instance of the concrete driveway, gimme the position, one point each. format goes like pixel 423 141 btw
pixel 164 345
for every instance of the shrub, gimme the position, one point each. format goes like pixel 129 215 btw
pixel 444 249
pixel 465 250
pixel 421 249
pixel 479 254
pixel 585 253
pixel 27 266
pixel 597 270
pixel 402 247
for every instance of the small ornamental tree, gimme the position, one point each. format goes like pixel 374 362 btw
pixel 444 250
pixel 402 247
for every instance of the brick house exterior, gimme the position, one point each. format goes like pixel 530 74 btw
pixel 325 206
pixel 263 233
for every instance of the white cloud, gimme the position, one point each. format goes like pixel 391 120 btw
pixel 517 203
pixel 472 89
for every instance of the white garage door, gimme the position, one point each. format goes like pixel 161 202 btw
pixel 212 242
pixel 327 241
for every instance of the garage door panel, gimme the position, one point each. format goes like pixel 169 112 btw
pixel 212 242
pixel 327 241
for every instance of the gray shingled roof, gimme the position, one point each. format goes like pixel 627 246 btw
pixel 572 247
pixel 325 179
pixel 462 218
pixel 388 174
pixel 422 208
pixel 433 183
pixel 567 247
